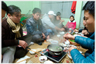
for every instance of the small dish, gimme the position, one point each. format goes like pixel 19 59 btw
pixel 42 58
pixel 58 35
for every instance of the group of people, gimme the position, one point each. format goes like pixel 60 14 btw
pixel 43 27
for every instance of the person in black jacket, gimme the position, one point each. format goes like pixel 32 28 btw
pixel 35 27
pixel 11 31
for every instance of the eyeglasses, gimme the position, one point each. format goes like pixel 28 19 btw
pixel 17 15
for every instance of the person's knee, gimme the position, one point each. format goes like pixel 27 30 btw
pixel 49 30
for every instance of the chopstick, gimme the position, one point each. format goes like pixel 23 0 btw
pixel 22 60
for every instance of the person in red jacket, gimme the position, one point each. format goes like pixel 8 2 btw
pixel 71 23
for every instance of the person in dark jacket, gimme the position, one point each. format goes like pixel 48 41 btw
pixel 11 31
pixel 35 27
pixel 89 11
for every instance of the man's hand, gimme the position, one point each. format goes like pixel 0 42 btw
pixel 43 35
pixel 69 36
pixel 23 44
pixel 76 30
pixel 62 29
pixel 71 48
pixel 48 37
pixel 85 32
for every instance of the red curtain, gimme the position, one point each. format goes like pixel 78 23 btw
pixel 73 7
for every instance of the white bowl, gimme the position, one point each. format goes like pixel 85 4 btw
pixel 48 62
pixel 33 51
pixel 58 35
pixel 42 58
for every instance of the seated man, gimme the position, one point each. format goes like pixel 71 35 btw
pixel 11 31
pixel 34 26
pixel 47 22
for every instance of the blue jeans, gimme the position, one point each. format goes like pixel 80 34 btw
pixel 50 31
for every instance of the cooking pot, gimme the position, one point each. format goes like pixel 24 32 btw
pixel 55 49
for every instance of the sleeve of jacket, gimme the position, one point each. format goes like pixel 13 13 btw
pixel 85 42
pixel 79 58
pixel 48 22
pixel 74 25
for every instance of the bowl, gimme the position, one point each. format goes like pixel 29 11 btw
pixel 58 35
pixel 42 58
pixel 32 51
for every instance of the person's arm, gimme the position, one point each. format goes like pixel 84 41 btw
pixel 49 23
pixel 85 42
pixel 79 58
pixel 74 26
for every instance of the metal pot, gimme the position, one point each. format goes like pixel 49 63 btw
pixel 55 49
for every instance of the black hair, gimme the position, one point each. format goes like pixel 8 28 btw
pixel 4 6
pixel 13 8
pixel 35 10
pixel 90 5
pixel 58 13
pixel 72 16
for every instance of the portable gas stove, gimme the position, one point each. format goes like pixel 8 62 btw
pixel 53 58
